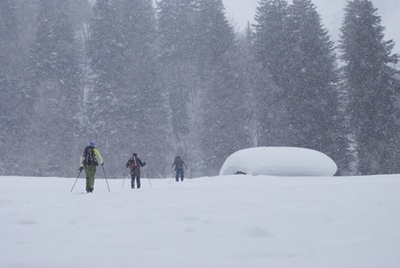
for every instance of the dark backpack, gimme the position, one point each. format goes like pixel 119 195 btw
pixel 133 163
pixel 89 158
pixel 178 163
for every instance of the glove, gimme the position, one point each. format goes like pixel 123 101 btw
pixel 80 168
pixel 102 163
pixel 144 163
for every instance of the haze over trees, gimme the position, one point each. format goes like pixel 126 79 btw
pixel 175 79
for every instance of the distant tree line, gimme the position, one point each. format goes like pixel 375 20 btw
pixel 174 78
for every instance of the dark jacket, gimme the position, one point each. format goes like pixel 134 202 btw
pixel 135 163
pixel 179 163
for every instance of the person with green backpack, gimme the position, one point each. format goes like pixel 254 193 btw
pixel 89 161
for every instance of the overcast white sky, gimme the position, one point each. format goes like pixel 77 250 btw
pixel 239 12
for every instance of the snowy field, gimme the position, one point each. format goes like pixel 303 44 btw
pixel 226 221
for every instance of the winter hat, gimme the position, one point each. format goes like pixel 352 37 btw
pixel 91 143
pixel 134 154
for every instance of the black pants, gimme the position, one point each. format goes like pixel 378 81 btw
pixel 135 174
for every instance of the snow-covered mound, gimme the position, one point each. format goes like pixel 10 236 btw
pixel 279 161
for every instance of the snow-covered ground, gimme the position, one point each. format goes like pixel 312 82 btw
pixel 225 221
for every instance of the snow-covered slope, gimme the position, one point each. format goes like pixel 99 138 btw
pixel 279 161
pixel 227 221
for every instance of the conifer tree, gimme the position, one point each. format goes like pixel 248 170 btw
pixel 213 34
pixel 295 49
pixel 13 101
pixel 105 54
pixel 147 98
pixel 176 22
pixel 272 38
pixel 272 52
pixel 368 76
pixel 312 96
pixel 176 27
pixel 223 117
pixel 252 83
pixel 8 43
pixel 126 87
pixel 56 84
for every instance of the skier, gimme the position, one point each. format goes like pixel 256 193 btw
pixel 179 164
pixel 134 163
pixel 89 160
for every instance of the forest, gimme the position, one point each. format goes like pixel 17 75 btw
pixel 174 78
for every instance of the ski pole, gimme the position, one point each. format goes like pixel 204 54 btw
pixel 106 178
pixel 80 170
pixel 123 179
pixel 190 171
pixel 149 180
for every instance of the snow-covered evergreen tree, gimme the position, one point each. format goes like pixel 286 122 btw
pixel 368 75
pixel 13 100
pixel 223 117
pixel 176 22
pixel 295 50
pixel 56 85
pixel 272 54
pixel 127 100
pixel 312 97
pixel 272 38
pixel 213 34
pixel 104 50
pixel 253 84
